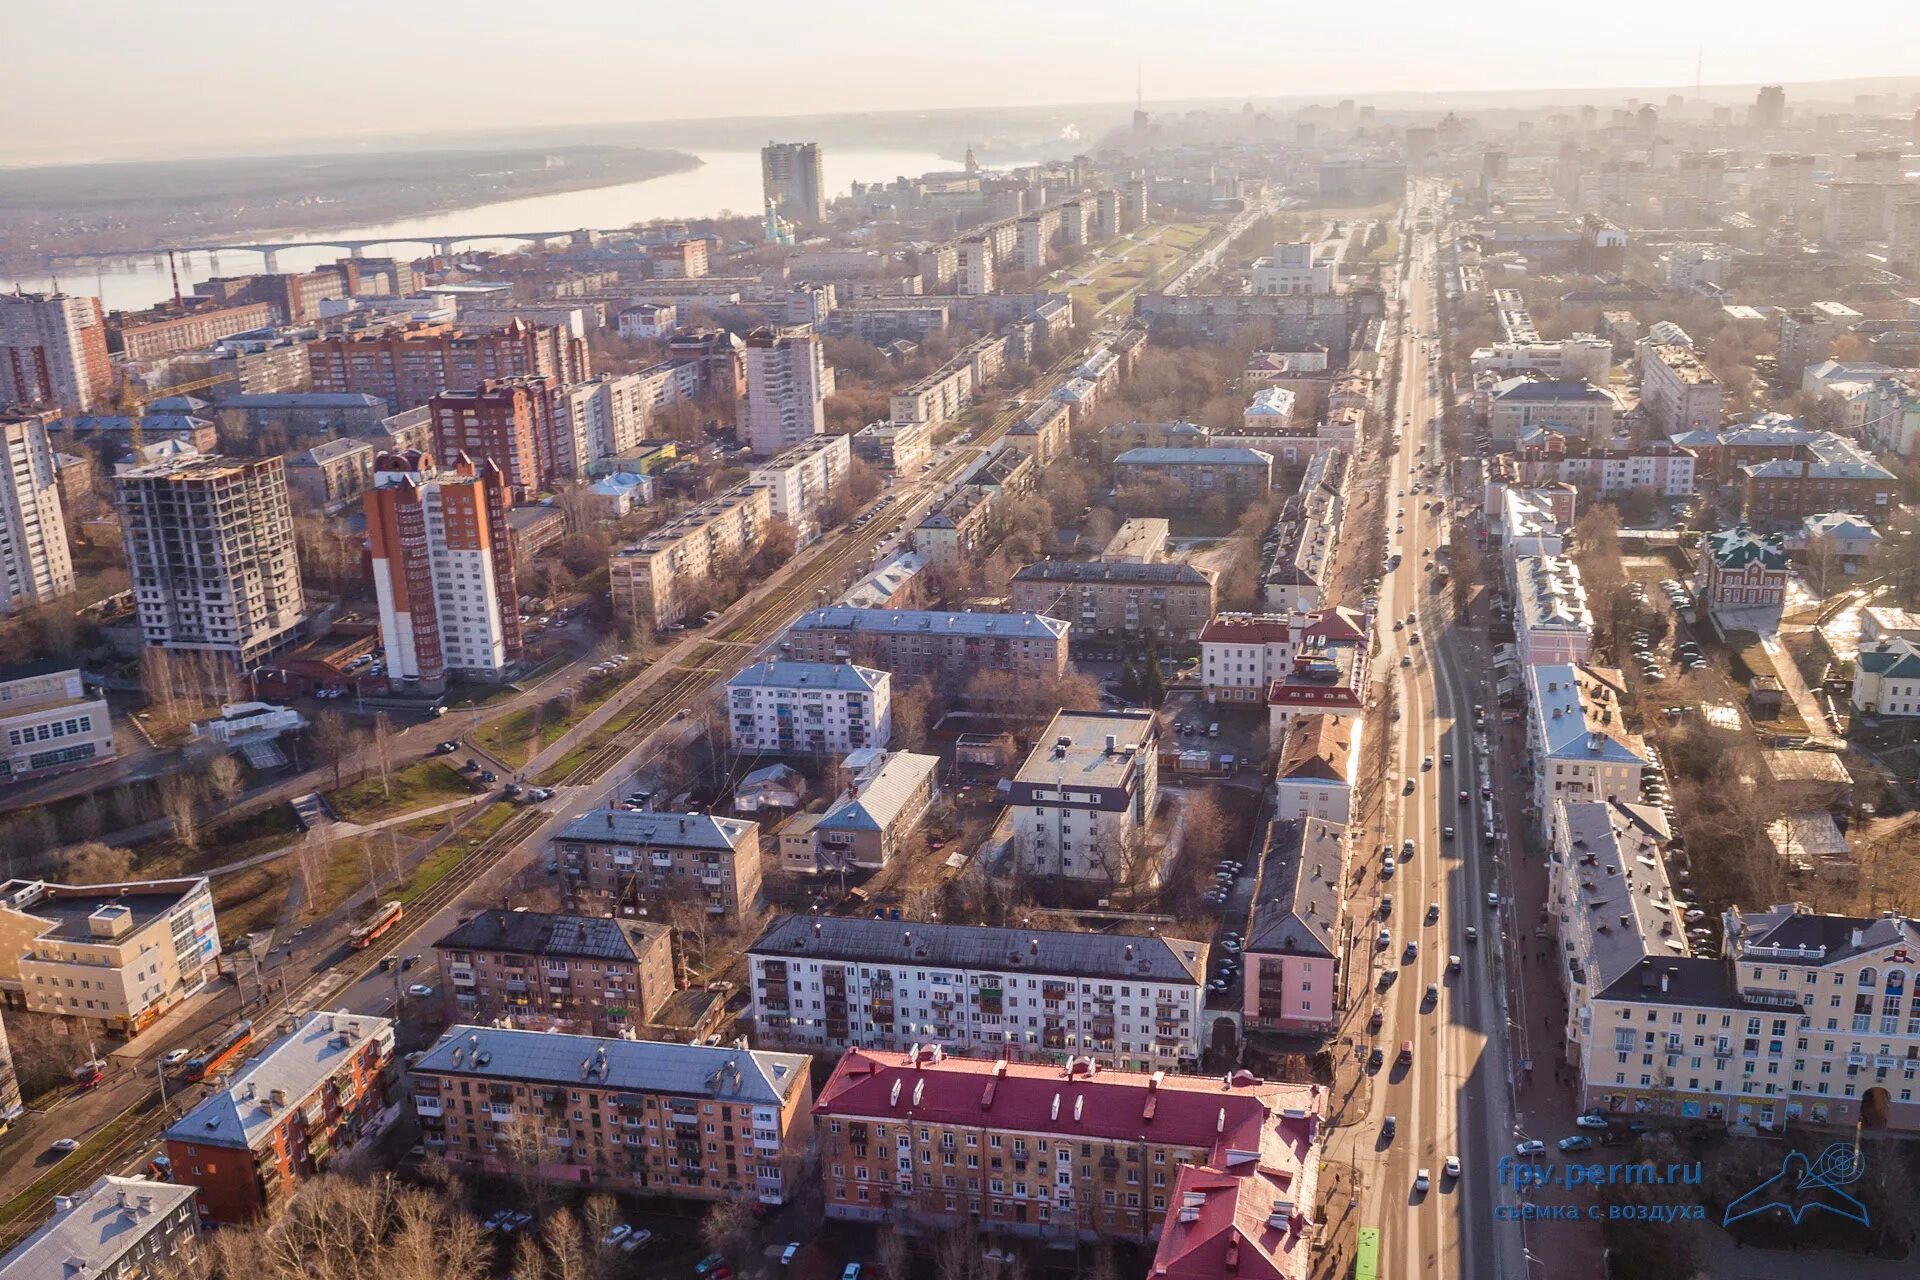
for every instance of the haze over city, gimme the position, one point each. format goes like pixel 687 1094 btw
pixel 1078 642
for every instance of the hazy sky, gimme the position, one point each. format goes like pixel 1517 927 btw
pixel 118 78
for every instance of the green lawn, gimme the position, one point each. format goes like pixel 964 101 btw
pixel 251 900
pixel 418 786
pixel 435 867
pixel 511 738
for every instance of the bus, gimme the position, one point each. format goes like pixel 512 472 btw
pixel 228 1049
pixel 1366 1260
pixel 381 921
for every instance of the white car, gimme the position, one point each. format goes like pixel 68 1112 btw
pixel 620 1232
pixel 419 989
pixel 636 1240
pixel 788 1254
pixel 1531 1147
pixel 1452 1167
pixel 1421 1180
pixel 65 1145
pixel 174 1057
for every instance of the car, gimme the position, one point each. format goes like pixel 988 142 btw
pixel 1493 902
pixel 495 1220
pixel 1389 1127
pixel 1413 949
pixel 445 748
pixel 419 989
pixel 1453 964
pixel 620 1232
pixel 64 1145
pixel 1383 939
pixel 1406 851
pixel 1378 1019
pixel 1591 1120
pixel 516 1220
pixel 1406 659
pixel 1421 1181
pixel 1446 833
pixel 788 1254
pixel 387 962
pixel 637 1240
pixel 1386 906
pixel 1463 797
pixel 851 1272
pixel 707 1264
pixel 487 775
pixel 1426 764
pixel 1406 1052
pixel 1399 625
pixel 1229 945
pixel 409 962
pixel 1433 913
pixel 1452 1167
pixel 174 1057
pixel 1578 1142
pixel 1375 1058
pixel 1433 993
pixel 1387 868
pixel 1531 1147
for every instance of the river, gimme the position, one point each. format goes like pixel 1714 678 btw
pixel 728 182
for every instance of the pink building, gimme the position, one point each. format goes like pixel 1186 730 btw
pixel 1292 960
pixel 1740 568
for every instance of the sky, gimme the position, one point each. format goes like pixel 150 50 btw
pixel 98 79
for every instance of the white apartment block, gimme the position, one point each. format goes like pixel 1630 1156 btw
pixel 1581 356
pixel 1578 739
pixel 1084 797
pixel 1806 1019
pixel 1241 654
pixel 943 394
pixel 1886 678
pixel 786 389
pixel 1677 390
pixel 1293 269
pixel 34 554
pixel 601 417
pixel 974 276
pixel 209 542
pixel 1553 625
pixel 49 723
pixel 809 708
pixel 838 981
pixel 800 480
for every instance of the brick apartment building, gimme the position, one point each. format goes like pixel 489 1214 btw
pixel 282 1118
pixel 916 642
pixel 547 972
pixel 513 423
pixel 1166 603
pixel 1076 1152
pixel 692 1122
pixel 408 367
pixel 643 862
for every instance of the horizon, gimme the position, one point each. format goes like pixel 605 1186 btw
pixel 129 56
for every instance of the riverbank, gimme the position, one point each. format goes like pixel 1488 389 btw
pixel 70 211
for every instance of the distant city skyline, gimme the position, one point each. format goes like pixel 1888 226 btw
pixel 116 79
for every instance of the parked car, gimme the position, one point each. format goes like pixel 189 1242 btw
pixel 1592 1120
pixel 1531 1147
pixel 788 1254
pixel 1578 1142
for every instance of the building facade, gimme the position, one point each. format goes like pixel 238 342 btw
pixel 53 353
pixel 844 982
pixel 49 722
pixel 209 542
pixel 545 972
pixel 1579 740
pixel 285 1116
pixel 916 642
pixel 409 367
pixel 791 181
pixel 1084 797
pixel 1316 775
pixel 689 1122
pixel 1166 603
pixel 443 569
pixel 117 1229
pixel 786 389
pixel 802 479
pixel 643 863
pixel 809 708
pixel 1294 941
pixel 34 554
pixel 662 578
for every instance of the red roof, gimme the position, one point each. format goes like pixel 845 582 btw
pixel 1338 623
pixel 1246 628
pixel 1253 1223
pixel 1079 1101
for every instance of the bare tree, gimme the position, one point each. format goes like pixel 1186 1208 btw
pixel 728 1228
pixel 890 1253
pixel 180 802
pixel 95 863
pixel 224 779
pixel 957 1256
pixel 331 742
pixel 383 752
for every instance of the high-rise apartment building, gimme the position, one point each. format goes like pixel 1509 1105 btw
pixel 34 558
pixel 442 562
pixel 511 423
pixel 209 542
pixel 790 178
pixel 786 399
pixel 409 367
pixel 53 351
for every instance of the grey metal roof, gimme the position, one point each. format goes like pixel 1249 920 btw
pixel 1074 748
pixel 853 940
pixel 908 621
pixel 329 450
pixel 721 1073
pixel 96 1230
pixel 1299 905
pixel 1109 571
pixel 1151 457
pixel 880 801
pixel 296 1063
pixel 781 674
pixel 666 830
pixel 542 933
pixel 1626 910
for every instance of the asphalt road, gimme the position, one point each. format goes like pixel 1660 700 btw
pixel 1451 1099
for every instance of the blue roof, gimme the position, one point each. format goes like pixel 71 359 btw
pixel 1194 457
pixel 783 674
pixel 904 621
